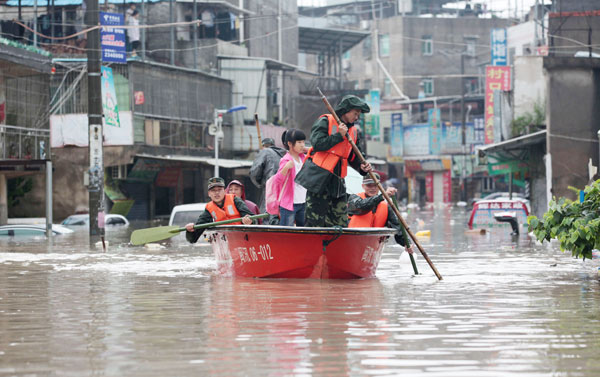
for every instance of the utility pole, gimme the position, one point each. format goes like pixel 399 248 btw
pixel 463 189
pixel 95 136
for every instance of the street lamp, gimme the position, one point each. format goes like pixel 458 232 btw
pixel 218 130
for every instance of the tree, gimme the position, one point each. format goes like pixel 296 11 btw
pixel 17 188
pixel 575 225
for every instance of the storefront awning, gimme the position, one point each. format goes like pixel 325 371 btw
pixel 272 64
pixel 223 162
pixel 513 144
pixel 313 39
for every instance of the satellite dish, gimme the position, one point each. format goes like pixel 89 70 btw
pixel 213 129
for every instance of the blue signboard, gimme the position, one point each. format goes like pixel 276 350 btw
pixel 396 139
pixel 112 40
pixel 416 140
pixel 499 47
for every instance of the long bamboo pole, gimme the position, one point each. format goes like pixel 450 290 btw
pixel 380 187
pixel 260 146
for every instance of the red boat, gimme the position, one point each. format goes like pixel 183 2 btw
pixel 297 252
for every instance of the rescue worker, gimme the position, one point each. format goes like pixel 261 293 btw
pixel 221 207
pixel 265 166
pixel 369 210
pixel 326 164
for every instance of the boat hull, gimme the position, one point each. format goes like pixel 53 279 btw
pixel 297 252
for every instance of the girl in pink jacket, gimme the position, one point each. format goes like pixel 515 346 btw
pixel 292 206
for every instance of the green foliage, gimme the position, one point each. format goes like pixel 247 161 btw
pixel 527 123
pixel 17 188
pixel 575 225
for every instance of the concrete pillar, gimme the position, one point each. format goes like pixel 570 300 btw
pixel 3 201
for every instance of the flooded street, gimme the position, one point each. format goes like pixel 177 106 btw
pixel 504 308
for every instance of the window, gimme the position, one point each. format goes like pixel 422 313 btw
pixel 387 88
pixel 427 87
pixel 470 50
pixel 367 48
pixel 384 45
pixel 427 45
pixel 367 84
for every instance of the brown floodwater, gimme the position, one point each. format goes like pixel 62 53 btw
pixel 506 307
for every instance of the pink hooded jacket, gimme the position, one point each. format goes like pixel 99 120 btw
pixel 287 198
pixel 250 204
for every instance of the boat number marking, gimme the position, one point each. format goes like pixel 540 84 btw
pixel 250 254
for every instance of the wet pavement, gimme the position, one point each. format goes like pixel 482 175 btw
pixel 506 307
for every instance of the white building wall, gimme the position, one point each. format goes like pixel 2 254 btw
pixel 529 84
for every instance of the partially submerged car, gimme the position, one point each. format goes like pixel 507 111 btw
pixel 31 230
pixel 484 211
pixel 186 213
pixel 110 220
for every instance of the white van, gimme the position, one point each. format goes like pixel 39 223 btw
pixel 186 213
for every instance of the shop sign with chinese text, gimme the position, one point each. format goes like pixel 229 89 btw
pixel 496 78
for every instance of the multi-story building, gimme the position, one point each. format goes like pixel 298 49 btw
pixel 168 97
pixel 24 128
pixel 428 72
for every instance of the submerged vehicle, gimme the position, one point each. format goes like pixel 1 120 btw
pixel 297 252
pixel 484 213
pixel 31 230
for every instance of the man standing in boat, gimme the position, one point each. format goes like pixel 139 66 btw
pixel 327 161
pixel 221 207
pixel 370 210
pixel 265 166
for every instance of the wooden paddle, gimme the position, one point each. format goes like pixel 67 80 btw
pixel 260 146
pixel 160 233
pixel 380 187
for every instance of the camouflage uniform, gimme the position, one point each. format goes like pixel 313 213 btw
pixel 325 211
pixel 326 191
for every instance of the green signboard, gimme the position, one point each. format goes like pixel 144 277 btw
pixel 506 167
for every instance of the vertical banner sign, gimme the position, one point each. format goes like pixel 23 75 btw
pixel 112 39
pixel 447 182
pixel 496 78
pixel 429 186
pixel 435 131
pixel 397 142
pixel 372 118
pixel 499 47
pixel 109 98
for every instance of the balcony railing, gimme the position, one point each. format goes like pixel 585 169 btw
pixel 21 143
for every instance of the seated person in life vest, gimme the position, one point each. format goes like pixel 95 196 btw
pixel 369 209
pixel 221 207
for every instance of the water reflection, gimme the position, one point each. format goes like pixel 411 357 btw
pixel 505 308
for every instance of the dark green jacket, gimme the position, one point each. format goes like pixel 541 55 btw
pixel 360 206
pixel 318 180
pixel 205 217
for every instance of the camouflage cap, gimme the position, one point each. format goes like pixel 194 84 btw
pixel 367 180
pixel 268 141
pixel 216 182
pixel 350 102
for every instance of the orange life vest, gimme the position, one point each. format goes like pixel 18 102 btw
pixel 329 159
pixel 229 210
pixel 370 219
